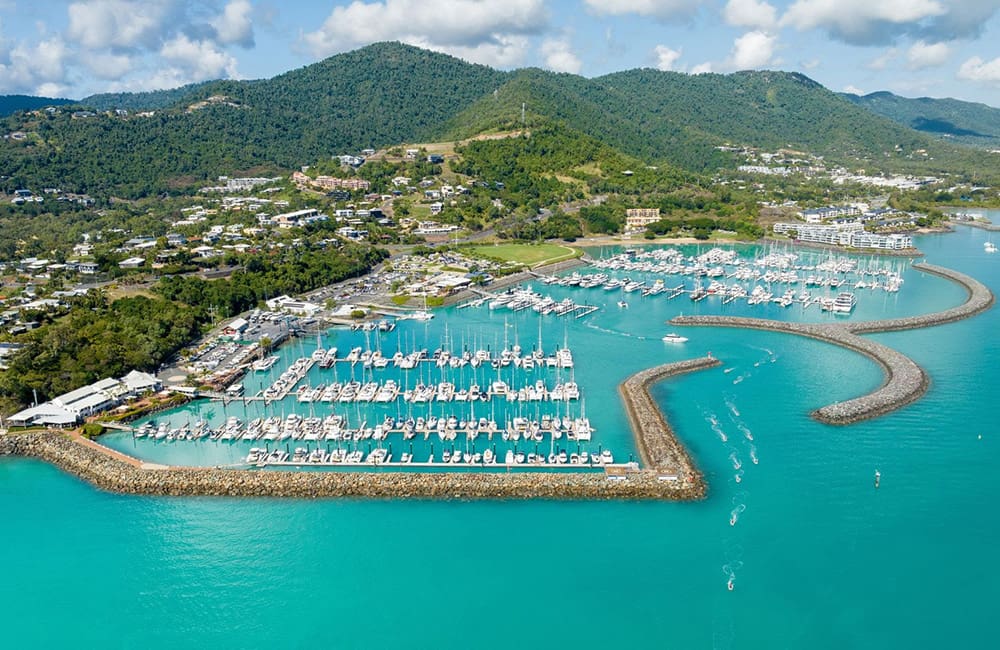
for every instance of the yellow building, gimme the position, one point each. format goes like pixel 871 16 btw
pixel 639 218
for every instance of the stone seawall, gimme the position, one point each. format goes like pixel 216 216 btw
pixel 656 442
pixel 989 227
pixel 108 472
pixel 905 381
pixel 978 299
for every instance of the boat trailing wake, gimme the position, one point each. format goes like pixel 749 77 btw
pixel 617 332
pixel 729 570
pixel 734 516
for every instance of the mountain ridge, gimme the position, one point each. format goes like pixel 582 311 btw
pixel 971 123
pixel 389 93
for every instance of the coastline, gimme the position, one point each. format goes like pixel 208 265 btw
pixel 668 472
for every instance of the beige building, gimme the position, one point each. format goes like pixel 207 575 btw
pixel 639 218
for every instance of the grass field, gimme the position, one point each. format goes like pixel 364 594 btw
pixel 528 254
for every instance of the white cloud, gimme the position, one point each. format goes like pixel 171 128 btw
pixel 880 62
pixel 666 58
pixel 559 56
pixel 854 90
pixel 100 24
pixel 485 31
pixel 702 68
pixel 663 9
pixel 924 55
pixel 106 65
pixel 752 50
pixel 38 69
pixel 750 13
pixel 200 60
pixel 976 69
pixel 873 22
pixel 234 24
pixel 811 64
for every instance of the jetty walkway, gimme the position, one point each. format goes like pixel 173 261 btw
pixel 905 381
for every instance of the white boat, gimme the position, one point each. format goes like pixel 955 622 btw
pixel 989 247
pixel 844 303
pixel 674 338
pixel 262 365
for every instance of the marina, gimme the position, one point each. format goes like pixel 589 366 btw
pixel 788 464
pixel 393 397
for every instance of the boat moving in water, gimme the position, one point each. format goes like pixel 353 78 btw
pixel 674 338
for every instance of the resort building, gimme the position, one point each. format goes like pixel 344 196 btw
pixel 70 408
pixel 639 218
pixel 851 234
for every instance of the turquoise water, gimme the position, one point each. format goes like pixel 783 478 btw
pixel 818 557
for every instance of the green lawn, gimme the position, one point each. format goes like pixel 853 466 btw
pixel 529 254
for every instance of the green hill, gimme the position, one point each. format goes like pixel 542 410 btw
pixel 10 104
pixel 965 122
pixel 389 93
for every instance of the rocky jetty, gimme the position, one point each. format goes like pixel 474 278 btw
pixel 109 472
pixel 905 381
pixel 658 446
pixel 978 299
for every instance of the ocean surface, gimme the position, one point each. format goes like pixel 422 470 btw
pixel 817 556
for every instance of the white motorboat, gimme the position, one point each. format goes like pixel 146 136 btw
pixel 674 338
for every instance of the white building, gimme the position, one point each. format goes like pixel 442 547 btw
pixel 850 234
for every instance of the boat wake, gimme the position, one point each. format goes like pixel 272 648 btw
pixel 734 516
pixel 729 570
pixel 719 432
pixel 732 408
pixel 617 332
pixel 738 477
pixel 753 454
pixel 745 431
pixel 736 461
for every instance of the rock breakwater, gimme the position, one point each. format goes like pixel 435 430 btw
pixel 655 440
pixel 108 472
pixel 905 381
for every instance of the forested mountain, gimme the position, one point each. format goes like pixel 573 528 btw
pixel 10 104
pixel 389 93
pixel 965 122
pixel 145 101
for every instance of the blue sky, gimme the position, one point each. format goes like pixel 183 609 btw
pixel 937 48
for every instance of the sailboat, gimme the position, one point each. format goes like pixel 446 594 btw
pixel 422 314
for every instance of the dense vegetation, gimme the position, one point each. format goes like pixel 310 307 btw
pixel 389 93
pixel 965 122
pixel 380 95
pixel 96 339
pixel 267 277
